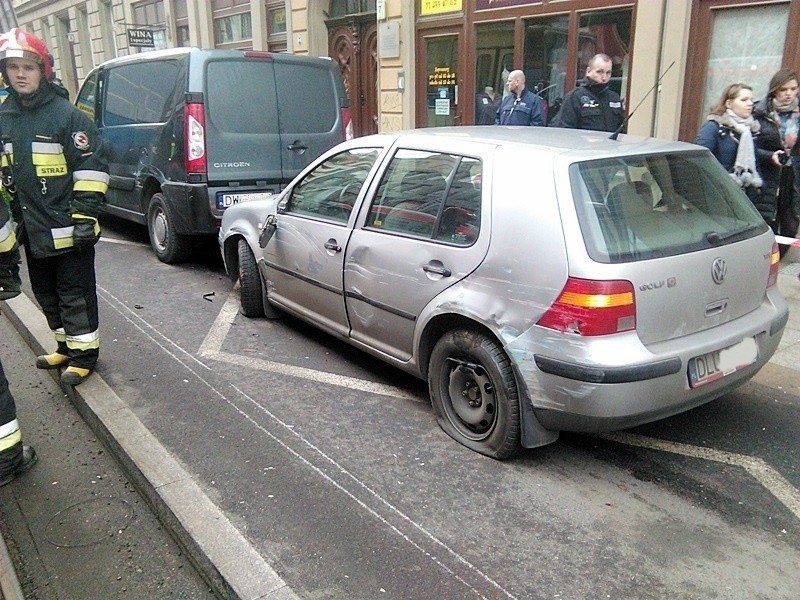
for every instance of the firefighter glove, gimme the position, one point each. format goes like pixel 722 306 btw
pixel 85 231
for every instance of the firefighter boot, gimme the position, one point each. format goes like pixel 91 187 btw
pixel 28 459
pixel 75 375
pixel 54 360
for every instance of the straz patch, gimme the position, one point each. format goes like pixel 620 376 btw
pixel 81 140
pixel 51 171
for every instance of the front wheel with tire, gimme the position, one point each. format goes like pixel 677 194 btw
pixel 474 393
pixel 251 290
pixel 169 246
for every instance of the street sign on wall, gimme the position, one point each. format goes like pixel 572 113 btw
pixel 142 38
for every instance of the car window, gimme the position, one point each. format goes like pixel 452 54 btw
pixel 634 208
pixel 429 195
pixel 140 92
pixel 87 97
pixel 307 97
pixel 330 190
pixel 241 96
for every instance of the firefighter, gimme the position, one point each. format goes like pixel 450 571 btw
pixel 54 167
pixel 15 458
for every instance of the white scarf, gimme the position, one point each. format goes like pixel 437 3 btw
pixel 744 172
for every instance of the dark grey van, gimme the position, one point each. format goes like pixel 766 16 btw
pixel 191 132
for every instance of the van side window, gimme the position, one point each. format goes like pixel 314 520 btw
pixel 330 191
pixel 306 97
pixel 87 97
pixel 241 96
pixel 429 195
pixel 140 93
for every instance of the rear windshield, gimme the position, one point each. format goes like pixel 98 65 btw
pixel 255 96
pixel 639 207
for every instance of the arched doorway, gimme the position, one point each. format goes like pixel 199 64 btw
pixel 353 44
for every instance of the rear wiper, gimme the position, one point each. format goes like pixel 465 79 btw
pixel 714 238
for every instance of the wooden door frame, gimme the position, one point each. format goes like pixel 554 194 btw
pixel 700 39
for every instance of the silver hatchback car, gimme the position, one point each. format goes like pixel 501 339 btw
pixel 539 279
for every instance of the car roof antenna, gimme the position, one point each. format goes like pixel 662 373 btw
pixel 615 135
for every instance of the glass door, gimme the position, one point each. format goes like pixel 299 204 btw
pixel 439 83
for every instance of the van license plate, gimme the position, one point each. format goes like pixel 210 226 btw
pixel 224 200
pixel 716 365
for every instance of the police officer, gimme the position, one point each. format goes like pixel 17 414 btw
pixel 52 162
pixel 592 105
pixel 521 106
pixel 15 458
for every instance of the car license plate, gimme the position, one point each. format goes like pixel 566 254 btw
pixel 226 199
pixel 716 365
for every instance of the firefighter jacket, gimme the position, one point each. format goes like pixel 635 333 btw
pixel 59 174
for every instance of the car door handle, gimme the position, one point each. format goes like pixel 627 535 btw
pixel 332 246
pixel 436 266
pixel 297 145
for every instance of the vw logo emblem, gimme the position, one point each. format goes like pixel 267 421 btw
pixel 718 270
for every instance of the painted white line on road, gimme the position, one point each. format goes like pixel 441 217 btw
pixel 212 348
pixel 214 341
pixel 129 315
pixel 768 477
pixel 392 508
pixel 123 242
pixel 212 344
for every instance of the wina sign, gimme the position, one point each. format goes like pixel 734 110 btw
pixel 142 38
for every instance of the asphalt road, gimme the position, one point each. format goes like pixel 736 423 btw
pixel 74 525
pixel 333 467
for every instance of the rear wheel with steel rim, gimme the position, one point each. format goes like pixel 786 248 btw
pixel 169 246
pixel 474 393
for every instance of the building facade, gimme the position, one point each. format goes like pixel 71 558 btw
pixel 431 63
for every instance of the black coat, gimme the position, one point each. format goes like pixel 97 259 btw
pixel 770 141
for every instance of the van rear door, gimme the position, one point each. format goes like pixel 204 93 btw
pixel 310 102
pixel 242 133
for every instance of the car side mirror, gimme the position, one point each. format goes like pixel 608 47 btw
pixel 270 226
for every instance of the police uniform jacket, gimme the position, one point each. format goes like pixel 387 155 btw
pixel 525 109
pixel 57 164
pixel 592 106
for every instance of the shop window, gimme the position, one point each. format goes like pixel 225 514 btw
pixel 344 8
pixel 276 28
pixel 232 29
pixel 545 60
pixel 606 32
pixel 746 45
pixel 183 35
pixel 493 62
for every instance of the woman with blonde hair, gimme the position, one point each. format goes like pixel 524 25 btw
pixel 730 132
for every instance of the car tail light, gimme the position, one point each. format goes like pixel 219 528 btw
pixel 589 307
pixel 195 136
pixel 774 265
pixel 347 124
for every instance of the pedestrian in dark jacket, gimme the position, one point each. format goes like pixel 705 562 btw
pixel 52 163
pixel 593 105
pixel 521 106
pixel 779 118
pixel 730 133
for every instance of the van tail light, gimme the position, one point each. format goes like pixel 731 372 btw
pixel 588 307
pixel 774 265
pixel 347 124
pixel 195 137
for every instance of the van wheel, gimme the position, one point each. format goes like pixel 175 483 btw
pixel 168 246
pixel 474 393
pixel 251 292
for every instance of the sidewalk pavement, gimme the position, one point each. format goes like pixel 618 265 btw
pixel 218 550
